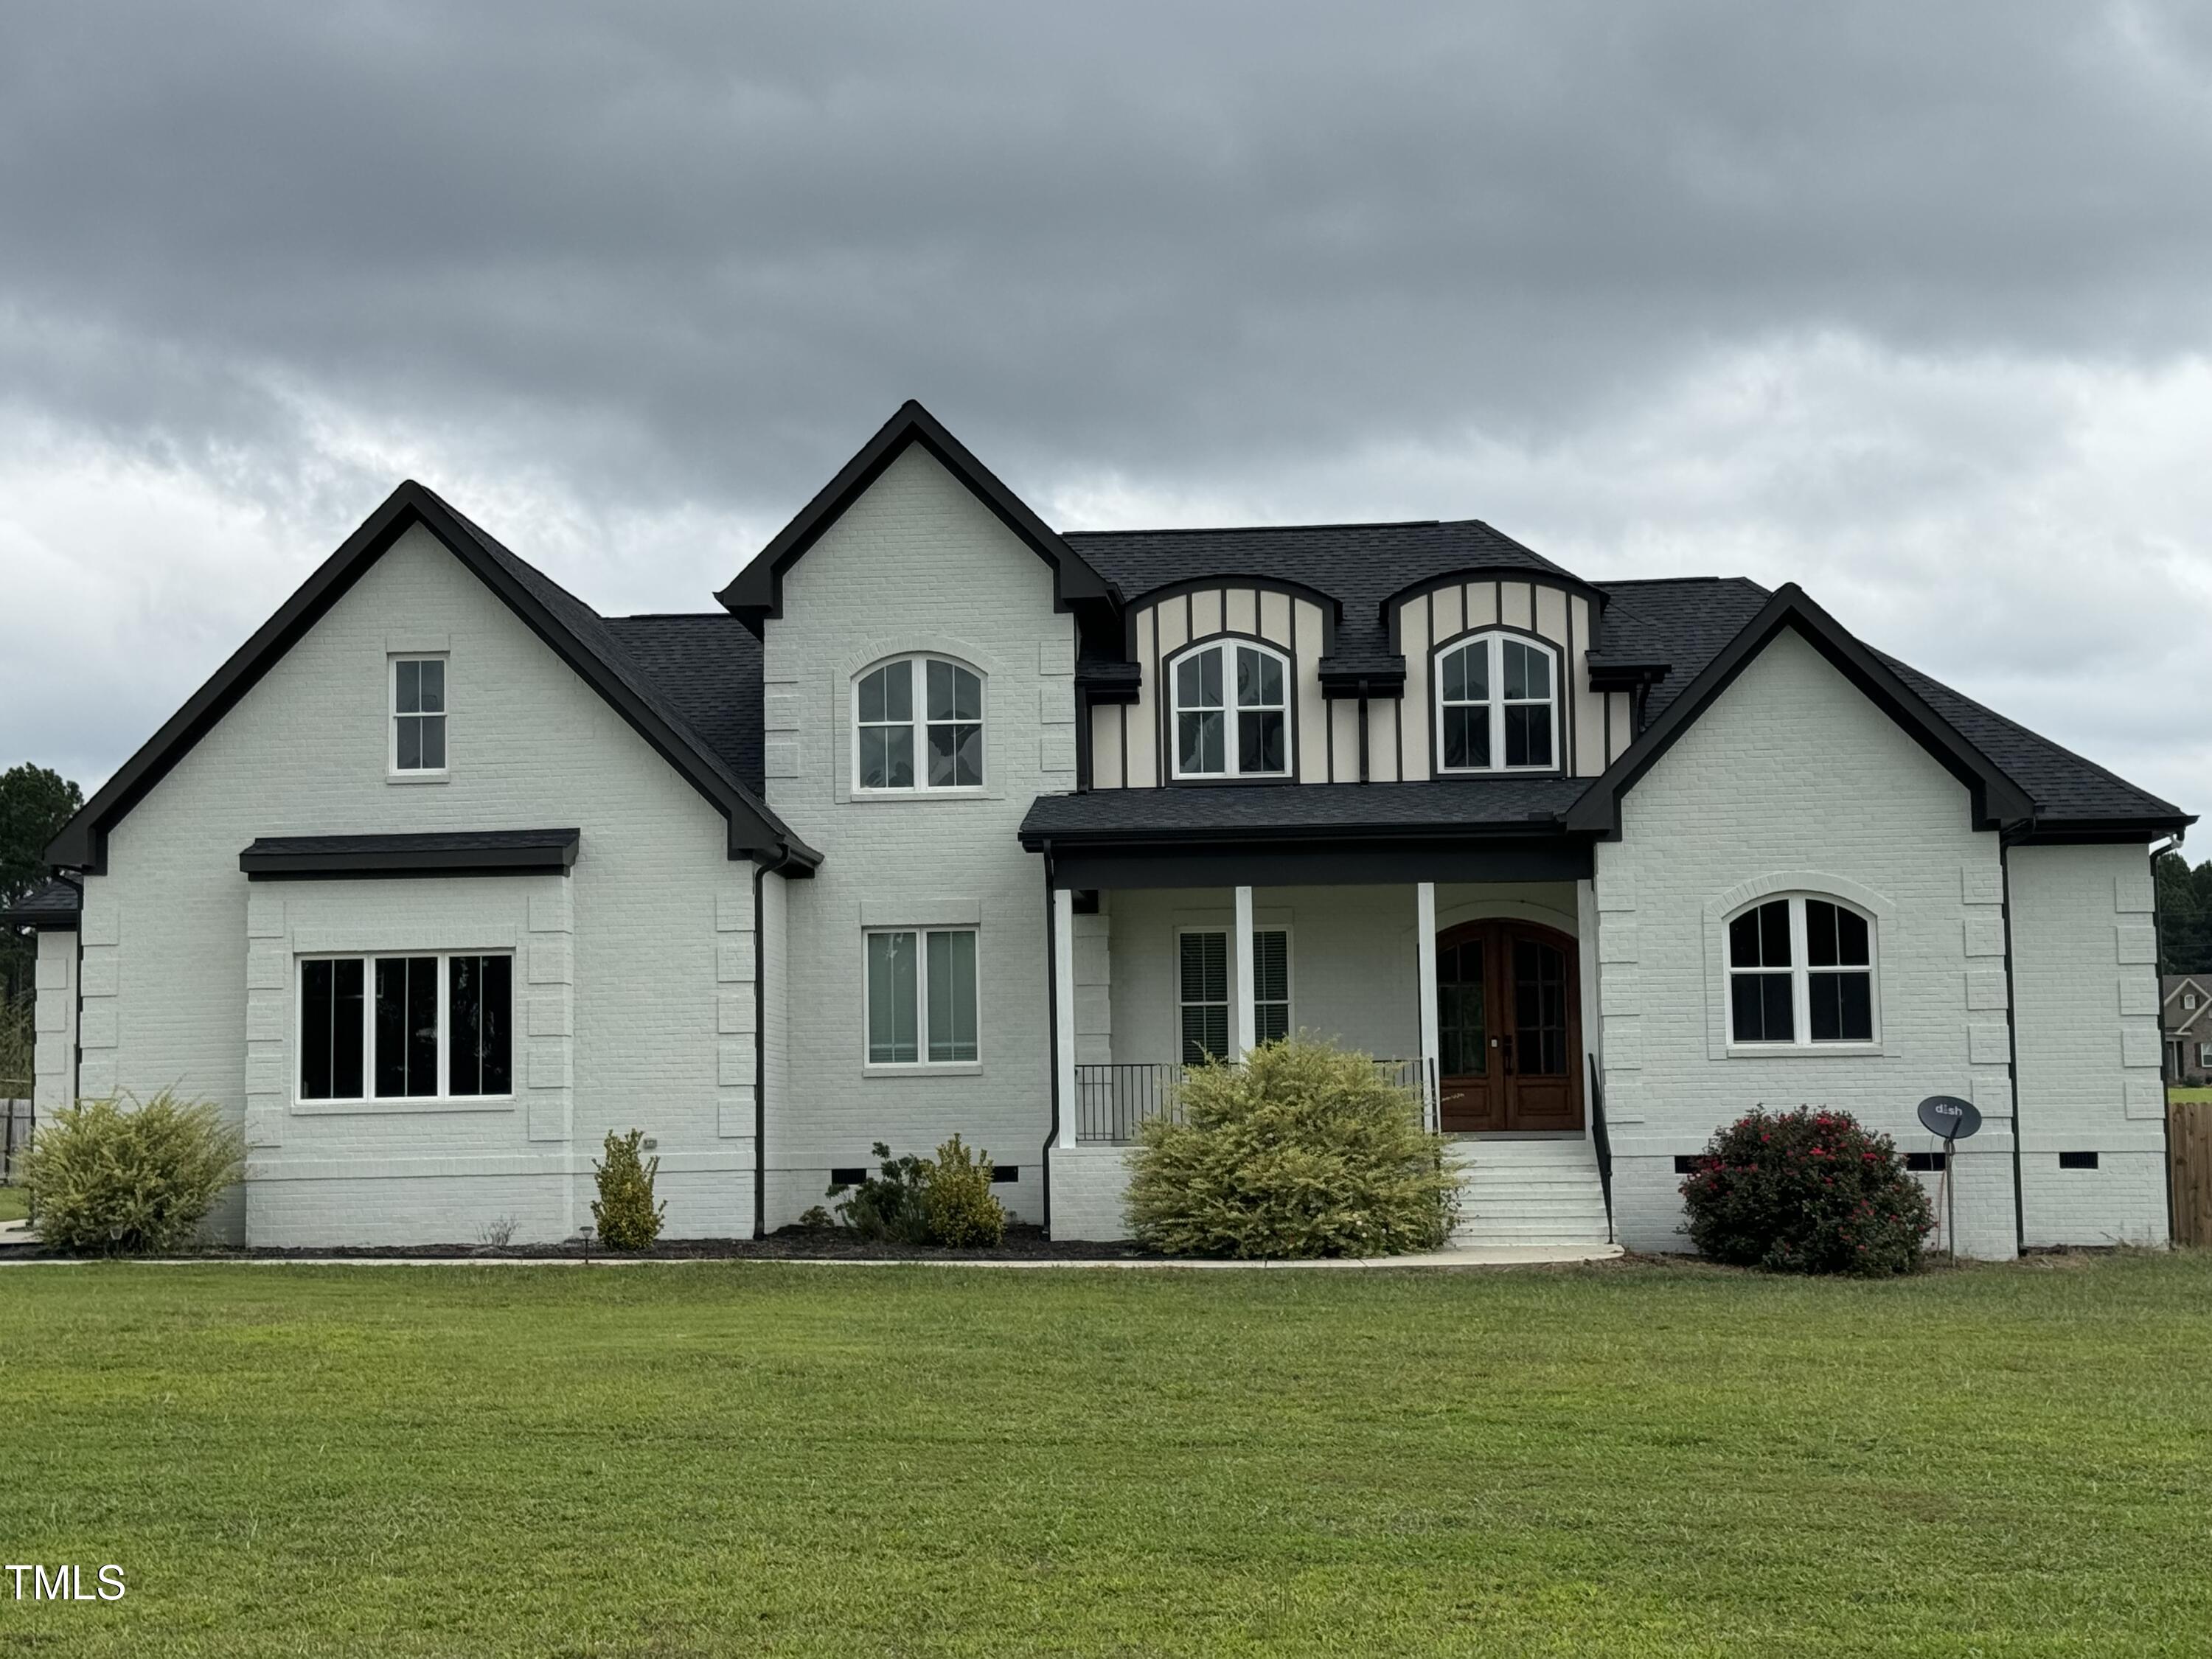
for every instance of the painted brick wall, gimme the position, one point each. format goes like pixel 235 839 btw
pixel 53 1056
pixel 657 916
pixel 2086 991
pixel 1794 781
pixel 916 564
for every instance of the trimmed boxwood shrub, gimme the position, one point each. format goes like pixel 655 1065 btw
pixel 122 1176
pixel 627 1217
pixel 1302 1150
pixel 1808 1191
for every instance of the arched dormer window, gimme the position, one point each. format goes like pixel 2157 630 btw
pixel 1231 712
pixel 1498 705
pixel 918 724
pixel 1801 971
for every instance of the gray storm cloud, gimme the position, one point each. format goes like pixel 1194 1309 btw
pixel 1905 302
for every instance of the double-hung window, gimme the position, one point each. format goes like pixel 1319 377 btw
pixel 1202 991
pixel 418 714
pixel 1232 714
pixel 918 724
pixel 399 1027
pixel 922 996
pixel 1801 971
pixel 1497 705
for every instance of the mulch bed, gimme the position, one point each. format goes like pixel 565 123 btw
pixel 1023 1243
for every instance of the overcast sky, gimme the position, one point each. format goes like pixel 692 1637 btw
pixel 1908 303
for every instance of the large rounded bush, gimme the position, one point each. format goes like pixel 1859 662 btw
pixel 119 1176
pixel 1808 1191
pixel 1302 1150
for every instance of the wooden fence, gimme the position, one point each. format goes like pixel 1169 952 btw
pixel 2189 1135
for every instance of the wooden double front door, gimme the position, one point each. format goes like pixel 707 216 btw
pixel 1509 1028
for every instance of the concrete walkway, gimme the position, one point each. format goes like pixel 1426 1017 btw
pixel 1520 1255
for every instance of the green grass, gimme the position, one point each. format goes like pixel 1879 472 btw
pixel 14 1204
pixel 2175 1092
pixel 743 1459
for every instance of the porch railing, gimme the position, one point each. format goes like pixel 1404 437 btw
pixel 1112 1099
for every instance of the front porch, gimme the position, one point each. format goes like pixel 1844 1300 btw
pixel 1475 995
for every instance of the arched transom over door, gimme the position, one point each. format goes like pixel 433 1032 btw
pixel 1509 1028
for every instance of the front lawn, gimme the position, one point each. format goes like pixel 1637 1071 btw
pixel 2174 1091
pixel 735 1458
pixel 14 1204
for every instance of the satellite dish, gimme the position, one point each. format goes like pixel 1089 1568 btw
pixel 1949 1117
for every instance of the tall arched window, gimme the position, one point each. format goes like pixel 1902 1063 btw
pixel 1497 705
pixel 1231 711
pixel 918 724
pixel 1801 971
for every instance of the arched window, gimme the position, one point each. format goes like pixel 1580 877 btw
pixel 1497 705
pixel 1801 971
pixel 918 724
pixel 1231 713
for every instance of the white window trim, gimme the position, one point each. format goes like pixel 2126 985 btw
pixel 372 1102
pixel 392 771
pixel 1494 639
pixel 2204 1054
pixel 921 1065
pixel 1229 711
pixel 920 726
pixel 1802 1041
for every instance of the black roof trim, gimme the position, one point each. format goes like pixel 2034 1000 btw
pixel 1997 798
pixel 53 906
pixel 756 592
pixel 1364 674
pixel 2097 832
pixel 1105 680
pixel 445 853
pixel 1331 607
pixel 1340 813
pixel 754 831
pixel 1395 604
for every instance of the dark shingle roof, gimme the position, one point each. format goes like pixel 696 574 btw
pixel 708 666
pixel 54 903
pixel 1682 621
pixel 1470 804
pixel 2066 786
pixel 1357 565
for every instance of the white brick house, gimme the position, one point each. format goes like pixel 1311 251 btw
pixel 950 822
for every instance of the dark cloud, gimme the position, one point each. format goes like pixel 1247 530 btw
pixel 630 263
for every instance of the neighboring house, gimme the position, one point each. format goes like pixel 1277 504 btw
pixel 951 822
pixel 2185 1017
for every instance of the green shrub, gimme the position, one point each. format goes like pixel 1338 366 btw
pixel 627 1217
pixel 946 1199
pixel 110 1178
pixel 1302 1150
pixel 1807 1192
pixel 957 1202
pixel 888 1204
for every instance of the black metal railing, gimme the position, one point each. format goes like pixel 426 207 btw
pixel 1112 1099
pixel 1601 1144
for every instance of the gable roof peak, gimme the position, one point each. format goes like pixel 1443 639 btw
pixel 756 592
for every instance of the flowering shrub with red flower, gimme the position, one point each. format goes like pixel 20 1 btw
pixel 1807 1192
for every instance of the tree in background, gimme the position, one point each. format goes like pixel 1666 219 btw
pixel 2185 914
pixel 34 803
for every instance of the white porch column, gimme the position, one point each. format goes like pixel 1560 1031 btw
pixel 1425 951
pixel 1063 1016
pixel 1247 1024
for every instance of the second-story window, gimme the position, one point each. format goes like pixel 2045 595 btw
pixel 918 724
pixel 418 713
pixel 1231 712
pixel 1497 705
